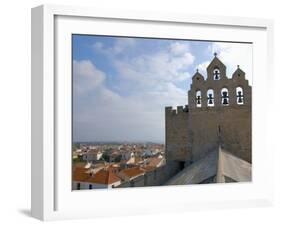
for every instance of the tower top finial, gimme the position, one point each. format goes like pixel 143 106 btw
pixel 197 70
pixel 238 66
pixel 215 54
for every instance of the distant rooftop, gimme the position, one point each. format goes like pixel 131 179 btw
pixel 101 177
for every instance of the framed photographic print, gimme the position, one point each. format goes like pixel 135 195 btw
pixel 149 113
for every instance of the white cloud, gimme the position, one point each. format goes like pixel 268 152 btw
pixel 120 45
pixel 142 73
pixel 179 48
pixel 86 76
pixel 168 65
pixel 101 114
pixel 140 117
pixel 202 68
pixel 98 45
pixel 149 81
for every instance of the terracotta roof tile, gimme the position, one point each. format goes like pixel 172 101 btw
pixel 104 177
pixel 154 161
pixel 148 168
pixel 80 174
pixel 101 177
pixel 132 172
pixel 94 151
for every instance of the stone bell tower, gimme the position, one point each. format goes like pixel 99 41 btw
pixel 218 113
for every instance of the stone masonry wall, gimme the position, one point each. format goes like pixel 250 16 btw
pixel 176 133
pixel 197 129
pixel 228 126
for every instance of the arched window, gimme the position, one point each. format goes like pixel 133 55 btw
pixel 217 74
pixel 198 99
pixel 239 96
pixel 210 97
pixel 224 97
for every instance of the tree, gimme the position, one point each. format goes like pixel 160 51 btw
pixel 118 158
pixel 105 156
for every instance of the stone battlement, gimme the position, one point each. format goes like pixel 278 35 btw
pixel 177 111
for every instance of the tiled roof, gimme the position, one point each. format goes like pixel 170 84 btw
pixel 79 165
pixel 105 177
pixel 101 177
pixel 154 161
pixel 132 172
pixel 113 168
pixel 94 151
pixel 80 174
pixel 148 168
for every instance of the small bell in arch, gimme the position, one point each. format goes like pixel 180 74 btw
pixel 210 99
pixel 225 98
pixel 216 75
pixel 225 102
pixel 198 100
pixel 240 97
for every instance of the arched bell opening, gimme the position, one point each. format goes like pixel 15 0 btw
pixel 216 73
pixel 210 98
pixel 198 98
pixel 239 96
pixel 224 97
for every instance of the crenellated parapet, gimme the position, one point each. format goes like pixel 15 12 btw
pixel 178 111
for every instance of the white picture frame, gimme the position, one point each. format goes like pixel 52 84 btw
pixel 52 197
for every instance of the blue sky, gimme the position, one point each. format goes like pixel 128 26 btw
pixel 122 85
